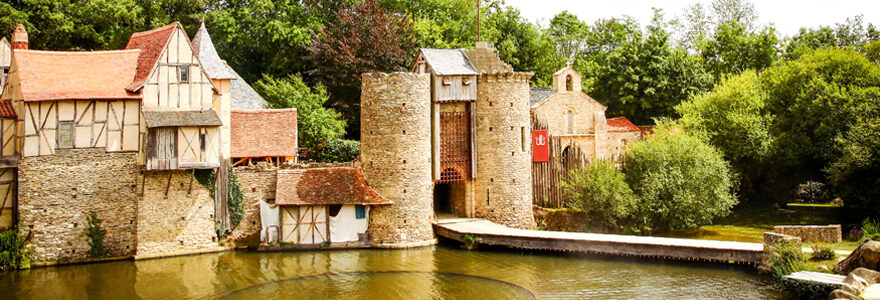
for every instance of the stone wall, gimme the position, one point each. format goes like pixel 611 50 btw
pixel 396 156
pixel 503 186
pixel 813 233
pixel 257 184
pixel 771 240
pixel 175 216
pixel 57 192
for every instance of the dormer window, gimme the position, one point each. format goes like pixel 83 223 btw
pixel 184 73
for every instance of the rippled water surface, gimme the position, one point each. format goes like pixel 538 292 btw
pixel 440 272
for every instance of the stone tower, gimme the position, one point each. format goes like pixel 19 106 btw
pixel 396 156
pixel 503 185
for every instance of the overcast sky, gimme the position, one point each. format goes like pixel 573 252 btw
pixel 787 15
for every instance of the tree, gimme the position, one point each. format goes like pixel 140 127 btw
pixel 734 49
pixel 366 39
pixel 681 182
pixel 601 191
pixel 520 43
pixel 316 124
pixel 569 34
pixel 852 33
pixel 733 118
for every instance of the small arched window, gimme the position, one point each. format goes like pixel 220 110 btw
pixel 569 116
pixel 568 83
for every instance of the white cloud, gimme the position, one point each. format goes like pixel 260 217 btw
pixel 787 16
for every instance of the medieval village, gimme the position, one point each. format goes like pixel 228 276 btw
pixel 455 172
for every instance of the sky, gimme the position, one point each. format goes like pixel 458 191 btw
pixel 787 16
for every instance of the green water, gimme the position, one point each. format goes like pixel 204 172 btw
pixel 440 272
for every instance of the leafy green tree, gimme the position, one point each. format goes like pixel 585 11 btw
pixel 733 49
pixel 520 43
pixel 339 150
pixel 733 118
pixel 601 191
pixel 569 34
pixel 681 182
pixel 366 39
pixel 851 33
pixel 316 124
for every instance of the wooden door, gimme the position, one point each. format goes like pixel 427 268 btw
pixel 162 154
pixel 313 225
pixel 290 224
pixel 8 198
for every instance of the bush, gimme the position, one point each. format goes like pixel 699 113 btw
pixel 681 182
pixel 785 258
pixel 338 150
pixel 811 192
pixel 14 254
pixel 96 236
pixel 601 191
pixel 822 252
pixel 871 230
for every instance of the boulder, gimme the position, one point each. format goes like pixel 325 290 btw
pixel 859 284
pixel 867 255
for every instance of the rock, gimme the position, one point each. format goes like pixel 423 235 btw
pixel 859 284
pixel 867 255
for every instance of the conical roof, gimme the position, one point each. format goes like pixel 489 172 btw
pixel 212 63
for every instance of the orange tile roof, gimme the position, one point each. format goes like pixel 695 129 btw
pixel 263 133
pixel 68 75
pixel 151 43
pixel 327 186
pixel 621 124
pixel 6 110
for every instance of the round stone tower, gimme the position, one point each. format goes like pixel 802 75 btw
pixel 396 157
pixel 503 186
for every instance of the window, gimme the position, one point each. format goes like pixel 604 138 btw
pixel 568 83
pixel 360 211
pixel 524 138
pixel 202 142
pixel 184 73
pixel 447 81
pixel 570 118
pixel 65 135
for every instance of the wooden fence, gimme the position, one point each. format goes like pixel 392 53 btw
pixel 547 177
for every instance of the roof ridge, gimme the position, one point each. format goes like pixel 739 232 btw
pixel 154 30
pixel 61 52
pixel 267 111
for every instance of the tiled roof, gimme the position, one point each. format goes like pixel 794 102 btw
pixel 263 133
pixel 621 124
pixel 538 94
pixel 151 43
pixel 244 97
pixel 327 186
pixel 448 61
pixel 178 118
pixel 55 75
pixel 212 63
pixel 6 110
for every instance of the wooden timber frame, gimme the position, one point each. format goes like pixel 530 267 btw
pixel 110 124
pixel 8 198
pixel 547 177
pixel 272 160
pixel 307 222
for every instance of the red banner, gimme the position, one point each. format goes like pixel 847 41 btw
pixel 540 146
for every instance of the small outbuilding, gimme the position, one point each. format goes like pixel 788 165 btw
pixel 325 205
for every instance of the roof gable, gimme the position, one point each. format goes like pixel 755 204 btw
pixel 446 61
pixel 153 43
pixel 541 96
pixel 69 75
pixel 207 54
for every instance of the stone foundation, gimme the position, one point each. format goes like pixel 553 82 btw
pixel 175 216
pixel 257 184
pixel 57 192
pixel 813 233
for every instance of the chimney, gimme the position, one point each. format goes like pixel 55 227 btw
pixel 19 38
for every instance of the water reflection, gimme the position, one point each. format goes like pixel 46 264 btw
pixel 545 275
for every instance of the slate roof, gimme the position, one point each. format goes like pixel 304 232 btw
pixel 326 186
pixel 6 110
pixel 55 75
pixel 487 61
pixel 448 61
pixel 621 124
pixel 212 63
pixel 244 97
pixel 151 43
pixel 263 133
pixel 538 94
pixel 178 118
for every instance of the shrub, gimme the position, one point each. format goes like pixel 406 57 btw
pixel 871 229
pixel 234 199
pixel 96 236
pixel 785 258
pixel 681 182
pixel 14 254
pixel 811 192
pixel 822 252
pixel 601 191
pixel 338 150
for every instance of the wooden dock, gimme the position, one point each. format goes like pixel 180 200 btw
pixel 488 233
pixel 825 278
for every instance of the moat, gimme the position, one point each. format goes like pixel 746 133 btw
pixel 441 272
